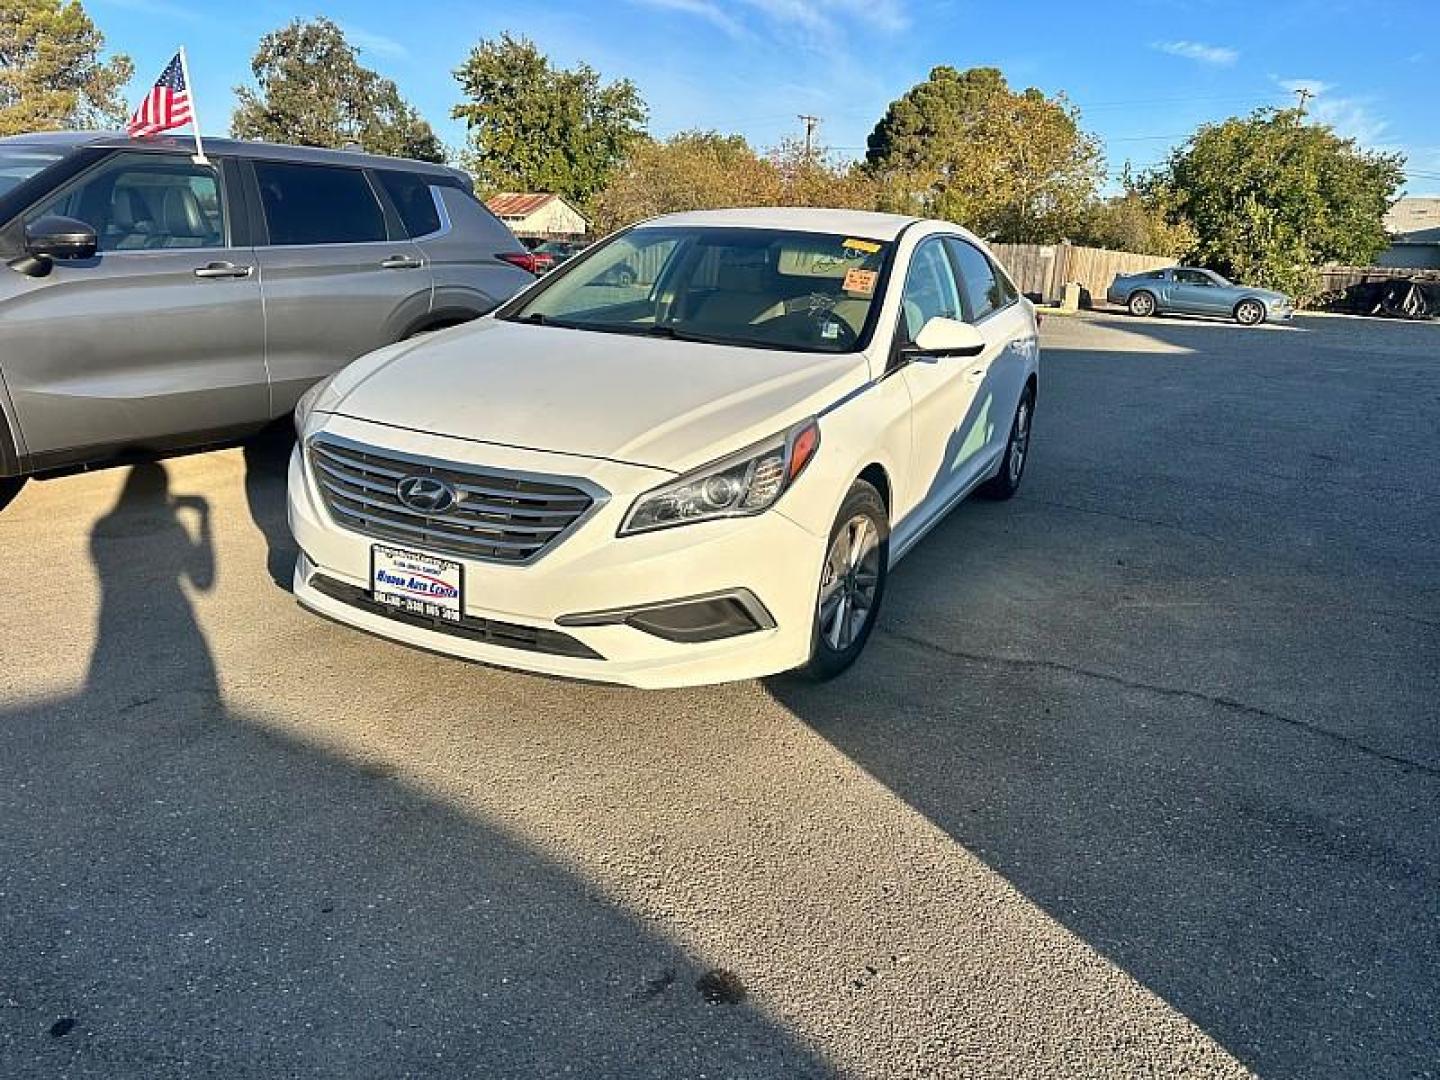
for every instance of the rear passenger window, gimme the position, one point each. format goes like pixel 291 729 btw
pixel 318 204
pixel 410 192
pixel 979 284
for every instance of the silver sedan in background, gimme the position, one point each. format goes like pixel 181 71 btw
pixel 1192 291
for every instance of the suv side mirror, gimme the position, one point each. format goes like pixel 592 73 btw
pixel 947 337
pixel 56 237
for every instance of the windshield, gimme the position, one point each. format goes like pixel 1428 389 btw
pixel 763 288
pixel 20 163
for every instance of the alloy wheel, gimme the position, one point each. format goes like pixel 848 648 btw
pixel 850 582
pixel 1019 441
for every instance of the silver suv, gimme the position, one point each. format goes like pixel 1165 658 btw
pixel 150 302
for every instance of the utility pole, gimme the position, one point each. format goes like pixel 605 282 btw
pixel 810 122
pixel 1304 93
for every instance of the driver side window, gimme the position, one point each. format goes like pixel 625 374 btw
pixel 930 289
pixel 145 202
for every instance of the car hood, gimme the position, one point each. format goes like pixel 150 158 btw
pixel 644 401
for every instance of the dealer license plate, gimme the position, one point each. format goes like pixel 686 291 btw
pixel 417 583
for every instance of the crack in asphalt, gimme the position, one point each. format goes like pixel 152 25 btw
pixel 1156 522
pixel 1404 763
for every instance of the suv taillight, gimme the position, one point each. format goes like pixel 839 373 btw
pixel 525 260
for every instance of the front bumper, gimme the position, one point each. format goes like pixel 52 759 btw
pixel 510 607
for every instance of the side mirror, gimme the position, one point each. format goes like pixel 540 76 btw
pixel 56 237
pixel 947 337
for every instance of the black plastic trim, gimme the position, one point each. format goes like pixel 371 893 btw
pixel 633 616
pixel 485 631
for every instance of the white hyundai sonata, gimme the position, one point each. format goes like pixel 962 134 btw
pixel 689 455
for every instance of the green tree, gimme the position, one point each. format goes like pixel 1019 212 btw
pixel 694 170
pixel 1134 221
pixel 964 146
pixel 815 177
pixel 51 74
pixel 534 127
pixel 312 90
pixel 1271 198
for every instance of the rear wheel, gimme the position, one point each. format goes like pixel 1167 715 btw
pixel 1142 304
pixel 10 487
pixel 1006 482
pixel 1249 312
pixel 852 582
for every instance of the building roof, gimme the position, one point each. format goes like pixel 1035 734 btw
pixel 1415 220
pixel 66 140
pixel 515 204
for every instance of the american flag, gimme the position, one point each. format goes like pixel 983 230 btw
pixel 166 106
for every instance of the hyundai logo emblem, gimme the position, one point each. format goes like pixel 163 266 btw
pixel 426 494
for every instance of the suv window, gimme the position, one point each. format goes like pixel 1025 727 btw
pixel 978 280
pixel 318 204
pixel 144 202
pixel 929 290
pixel 410 192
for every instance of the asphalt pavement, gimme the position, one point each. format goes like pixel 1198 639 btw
pixel 1138 776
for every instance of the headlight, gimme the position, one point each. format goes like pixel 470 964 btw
pixel 740 485
pixel 307 401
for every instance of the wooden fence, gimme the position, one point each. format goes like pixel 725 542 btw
pixel 1337 279
pixel 1041 270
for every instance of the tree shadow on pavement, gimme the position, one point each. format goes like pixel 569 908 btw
pixel 1183 696
pixel 187 891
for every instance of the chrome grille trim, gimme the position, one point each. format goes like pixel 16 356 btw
pixel 501 515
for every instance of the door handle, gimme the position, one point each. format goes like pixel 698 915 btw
pixel 222 270
pixel 401 262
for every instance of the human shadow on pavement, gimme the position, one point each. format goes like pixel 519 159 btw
pixel 189 890
pixel 1182 694
pixel 267 463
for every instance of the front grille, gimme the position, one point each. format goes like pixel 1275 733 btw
pixel 497 517
pixel 487 631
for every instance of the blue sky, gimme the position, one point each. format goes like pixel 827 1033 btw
pixel 1143 73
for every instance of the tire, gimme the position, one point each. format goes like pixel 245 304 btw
pixel 1249 313
pixel 837 638
pixel 1006 482
pixel 10 487
pixel 1142 304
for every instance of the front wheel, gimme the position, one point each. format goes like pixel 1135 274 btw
pixel 852 582
pixel 10 487
pixel 1249 312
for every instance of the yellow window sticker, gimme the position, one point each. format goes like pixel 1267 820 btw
pixel 867 246
pixel 860 281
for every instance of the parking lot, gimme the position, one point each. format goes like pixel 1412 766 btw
pixel 1139 774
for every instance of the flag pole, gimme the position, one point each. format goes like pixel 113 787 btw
pixel 200 158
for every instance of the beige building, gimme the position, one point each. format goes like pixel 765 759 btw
pixel 1414 228
pixel 538 215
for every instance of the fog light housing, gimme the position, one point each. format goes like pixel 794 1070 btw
pixel 691 620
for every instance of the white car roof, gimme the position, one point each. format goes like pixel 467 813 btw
pixel 863 223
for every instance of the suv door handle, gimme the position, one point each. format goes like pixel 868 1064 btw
pixel 401 262
pixel 222 270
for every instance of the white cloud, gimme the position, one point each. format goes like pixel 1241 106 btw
pixel 376 44
pixel 701 9
pixel 819 23
pixel 1219 55
pixel 1351 117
